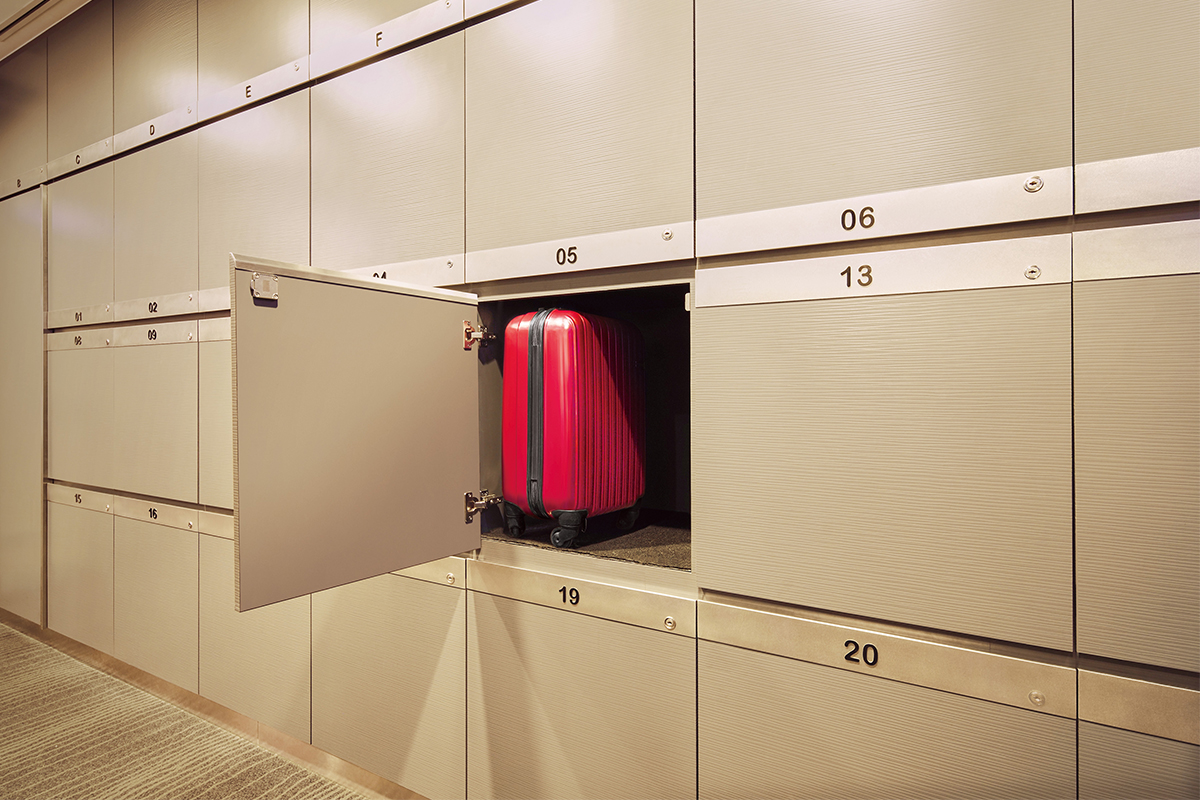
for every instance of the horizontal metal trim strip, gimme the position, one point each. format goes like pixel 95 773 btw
pixel 1030 261
pixel 451 571
pixel 27 180
pixel 157 128
pixel 1146 180
pixel 155 513
pixel 216 330
pixel 477 8
pixel 79 498
pixel 1137 251
pixel 84 315
pixel 73 162
pixel 260 87
pixel 652 610
pixel 214 299
pixel 967 204
pixel 1017 682
pixel 387 37
pixel 90 339
pixel 1152 708
pixel 438 271
pixel 668 242
pixel 216 524
pixel 167 305
pixel 155 334
pixel 281 269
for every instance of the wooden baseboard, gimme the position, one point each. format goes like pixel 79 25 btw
pixel 282 744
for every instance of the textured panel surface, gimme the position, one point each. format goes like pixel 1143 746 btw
pixel 80 79
pixel 21 406
pixel 79 582
pixel 903 458
pixel 771 727
pixel 156 610
pixel 154 59
pixel 800 102
pixel 1116 765
pixel 1137 78
pixel 256 662
pixel 389 681
pixel 1137 446
pixel 216 425
pixel 334 20
pixel 579 120
pixel 387 160
pixel 563 705
pixel 156 396
pixel 154 227
pixel 23 111
pixel 79 268
pixel 80 416
pixel 254 193
pixel 240 39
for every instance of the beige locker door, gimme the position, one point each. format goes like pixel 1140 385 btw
pixel 254 187
pixel 23 126
pixel 154 59
pixel 1137 103
pixel 564 704
pixel 80 79
pixel 79 267
pixel 80 413
pixel 156 618
pixel 256 663
pixel 239 39
pixel 356 428
pixel 79 565
pixel 773 727
pixel 579 137
pixel 1137 443
pixel 22 403
pixel 216 415
pixel 889 435
pixel 389 679
pixel 1116 765
pixel 925 116
pixel 155 229
pixel 388 167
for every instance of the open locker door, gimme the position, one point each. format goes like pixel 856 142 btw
pixel 355 428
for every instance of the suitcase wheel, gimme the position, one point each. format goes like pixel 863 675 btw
pixel 563 537
pixel 514 520
pixel 628 518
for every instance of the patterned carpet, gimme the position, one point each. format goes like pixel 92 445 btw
pixel 70 731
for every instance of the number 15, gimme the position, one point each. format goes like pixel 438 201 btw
pixel 864 275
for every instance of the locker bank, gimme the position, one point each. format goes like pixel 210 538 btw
pixel 919 286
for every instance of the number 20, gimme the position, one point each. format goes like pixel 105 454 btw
pixel 870 653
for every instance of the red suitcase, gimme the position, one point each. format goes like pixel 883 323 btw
pixel 573 421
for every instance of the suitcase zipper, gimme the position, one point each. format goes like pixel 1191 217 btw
pixel 536 406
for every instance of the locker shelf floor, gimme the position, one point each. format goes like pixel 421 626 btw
pixel 659 538
pixel 68 730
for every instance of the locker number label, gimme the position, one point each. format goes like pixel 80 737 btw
pixel 870 653
pixel 78 341
pixel 566 255
pixel 79 316
pixel 865 218
pixel 152 334
pixel 78 498
pixel 154 513
pixel 864 276
pixel 569 595
pixel 152 307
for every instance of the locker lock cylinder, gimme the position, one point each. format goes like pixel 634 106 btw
pixel 1033 184
pixel 1037 698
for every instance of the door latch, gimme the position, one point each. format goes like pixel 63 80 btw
pixel 264 286
pixel 471 335
pixel 474 505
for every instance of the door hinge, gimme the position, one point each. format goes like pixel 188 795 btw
pixel 475 504
pixel 471 335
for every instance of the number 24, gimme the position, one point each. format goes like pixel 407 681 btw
pixel 864 275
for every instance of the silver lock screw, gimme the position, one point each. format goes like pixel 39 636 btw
pixel 189 526
pixel 296 67
pixel 1037 698
pixel 1033 273
pixel 1033 184
pixel 667 235
pixel 669 622
pixel 450 577
pixel 449 265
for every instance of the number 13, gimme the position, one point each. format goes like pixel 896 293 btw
pixel 864 275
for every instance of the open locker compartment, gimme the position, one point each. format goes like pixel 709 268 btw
pixel 661 536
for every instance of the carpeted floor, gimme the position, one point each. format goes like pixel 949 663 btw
pixel 661 538
pixel 70 731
